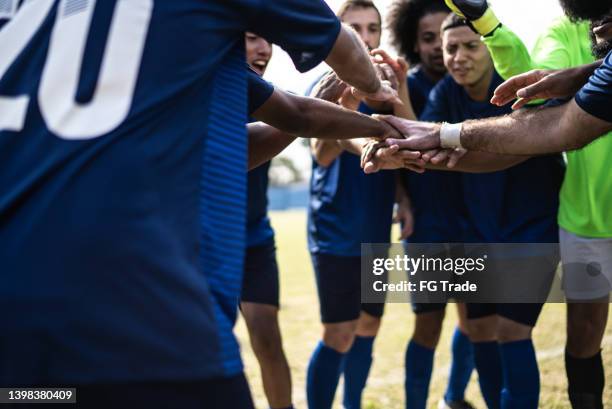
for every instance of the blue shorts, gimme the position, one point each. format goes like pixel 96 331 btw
pixel 260 282
pixel 431 250
pixel 339 287
pixel 222 393
pixel 526 314
pixel 425 307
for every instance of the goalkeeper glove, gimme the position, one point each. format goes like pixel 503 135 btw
pixel 478 14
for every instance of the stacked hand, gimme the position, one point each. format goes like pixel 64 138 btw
pixel 399 66
pixel 395 71
pixel 379 155
pixel 538 84
pixel 391 72
pixel 385 93
pixel 330 88
pixel 423 137
pixel 405 144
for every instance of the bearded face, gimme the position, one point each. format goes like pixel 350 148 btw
pixel 600 49
pixel 601 36
pixel 586 9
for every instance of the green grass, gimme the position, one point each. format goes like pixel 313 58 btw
pixel 301 330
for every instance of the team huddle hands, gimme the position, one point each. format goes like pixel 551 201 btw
pixel 417 144
pixel 405 143
pixel 418 147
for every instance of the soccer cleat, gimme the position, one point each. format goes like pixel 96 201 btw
pixel 443 404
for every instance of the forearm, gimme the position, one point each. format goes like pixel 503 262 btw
pixel 350 60
pixel 325 151
pixel 354 146
pixel 265 142
pixel 583 73
pixel 329 121
pixel 405 110
pixel 401 195
pixel 527 132
pixel 315 118
pixel 482 162
pixel 534 131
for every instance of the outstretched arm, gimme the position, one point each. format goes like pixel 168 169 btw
pixel 471 162
pixel 481 162
pixel 265 142
pixel 533 132
pixel 527 132
pixel 349 59
pixel 543 84
pixel 314 118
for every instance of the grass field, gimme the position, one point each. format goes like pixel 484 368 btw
pixel 301 331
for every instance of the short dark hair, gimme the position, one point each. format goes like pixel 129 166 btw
pixel 355 4
pixel 453 21
pixel 586 9
pixel 403 23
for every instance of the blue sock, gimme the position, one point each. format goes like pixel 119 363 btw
pixel 488 364
pixel 322 377
pixel 521 375
pixel 461 367
pixel 356 369
pixel 419 364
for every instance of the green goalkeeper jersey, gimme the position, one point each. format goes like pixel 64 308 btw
pixel 586 195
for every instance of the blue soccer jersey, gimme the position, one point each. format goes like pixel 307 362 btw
pixel 259 229
pixel 259 90
pixel 123 183
pixel 420 86
pixel 436 196
pixel 348 207
pixel 515 205
pixel 596 96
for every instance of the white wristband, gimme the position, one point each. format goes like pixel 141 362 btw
pixel 450 135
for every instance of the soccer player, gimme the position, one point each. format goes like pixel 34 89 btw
pixel 259 300
pixel 260 290
pixel 583 216
pixel 346 208
pixel 122 198
pixel 434 201
pixel 501 333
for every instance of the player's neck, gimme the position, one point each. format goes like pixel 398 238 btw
pixel 479 91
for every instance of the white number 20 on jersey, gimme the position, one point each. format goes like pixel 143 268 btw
pixel 114 91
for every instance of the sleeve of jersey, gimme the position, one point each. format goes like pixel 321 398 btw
pixel 306 29
pixel 595 97
pixel 509 54
pixel 259 91
pixel 551 51
pixel 436 108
